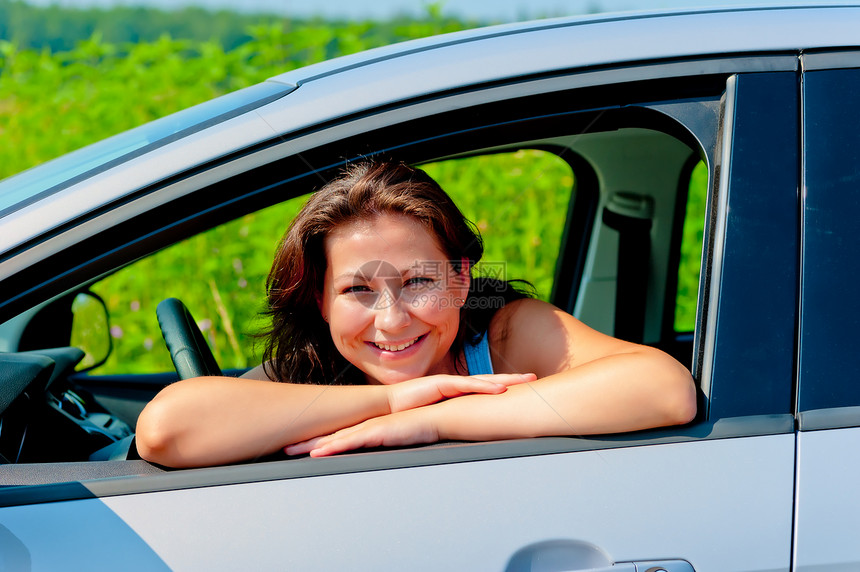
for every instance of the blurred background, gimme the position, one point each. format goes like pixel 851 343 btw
pixel 481 10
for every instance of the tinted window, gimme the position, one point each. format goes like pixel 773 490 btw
pixel 754 333
pixel 830 306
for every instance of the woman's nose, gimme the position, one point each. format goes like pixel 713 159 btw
pixel 392 313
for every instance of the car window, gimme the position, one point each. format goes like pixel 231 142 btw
pixel 219 274
pixel 691 250
pixel 517 200
pixel 750 328
pixel 829 305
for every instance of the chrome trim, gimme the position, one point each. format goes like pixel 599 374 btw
pixel 804 60
pixel 831 60
pixel 718 240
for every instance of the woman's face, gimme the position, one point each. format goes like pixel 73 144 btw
pixel 391 298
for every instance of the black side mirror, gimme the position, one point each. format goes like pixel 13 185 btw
pixel 91 330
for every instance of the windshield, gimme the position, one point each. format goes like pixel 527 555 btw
pixel 27 187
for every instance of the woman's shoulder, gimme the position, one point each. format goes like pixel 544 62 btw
pixel 521 312
pixel 521 330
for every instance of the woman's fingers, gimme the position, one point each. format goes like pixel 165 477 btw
pixel 494 383
pixel 407 428
pixel 302 447
pixel 506 378
pixel 348 442
pixel 426 390
pixel 344 440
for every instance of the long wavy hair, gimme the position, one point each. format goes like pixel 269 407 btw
pixel 298 346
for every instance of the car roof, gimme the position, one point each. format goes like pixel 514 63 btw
pixel 351 84
pixel 636 36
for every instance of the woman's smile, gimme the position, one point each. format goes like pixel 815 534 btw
pixel 399 348
pixel 395 346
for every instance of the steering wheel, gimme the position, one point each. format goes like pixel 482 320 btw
pixel 188 349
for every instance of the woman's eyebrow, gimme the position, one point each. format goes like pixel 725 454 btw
pixel 347 276
pixel 415 268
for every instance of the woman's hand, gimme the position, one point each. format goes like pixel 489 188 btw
pixel 395 430
pixel 423 391
pixel 410 422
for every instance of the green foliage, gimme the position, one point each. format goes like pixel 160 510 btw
pixel 219 274
pixel 55 102
pixel 691 250
pixel 519 203
pixel 57 28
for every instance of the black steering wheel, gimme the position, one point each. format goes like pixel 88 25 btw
pixel 188 349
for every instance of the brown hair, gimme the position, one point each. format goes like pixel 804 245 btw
pixel 299 346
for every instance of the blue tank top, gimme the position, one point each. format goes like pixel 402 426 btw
pixel 478 356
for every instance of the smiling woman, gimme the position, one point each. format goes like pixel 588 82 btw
pixel 371 288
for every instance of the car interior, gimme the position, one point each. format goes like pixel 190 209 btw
pixel 627 237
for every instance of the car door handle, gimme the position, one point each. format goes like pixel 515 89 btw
pixel 655 566
pixel 663 566
pixel 568 555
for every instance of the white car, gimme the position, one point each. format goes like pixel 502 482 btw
pixel 761 103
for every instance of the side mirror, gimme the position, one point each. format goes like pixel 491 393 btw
pixel 91 330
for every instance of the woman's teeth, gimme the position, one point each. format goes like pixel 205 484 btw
pixel 396 348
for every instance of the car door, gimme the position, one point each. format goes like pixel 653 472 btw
pixel 715 495
pixel 828 401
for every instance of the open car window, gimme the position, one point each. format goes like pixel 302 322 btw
pixel 518 200
pixel 551 193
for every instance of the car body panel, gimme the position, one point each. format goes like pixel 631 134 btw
pixel 628 504
pixel 640 37
pixel 76 535
pixel 827 506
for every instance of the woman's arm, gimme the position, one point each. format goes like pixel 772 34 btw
pixel 593 383
pixel 218 420
pixel 618 393
pixel 588 383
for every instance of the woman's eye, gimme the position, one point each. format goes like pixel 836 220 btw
pixel 355 290
pixel 419 281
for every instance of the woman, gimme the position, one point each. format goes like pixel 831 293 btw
pixel 383 338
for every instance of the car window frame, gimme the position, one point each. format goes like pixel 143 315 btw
pixel 207 180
